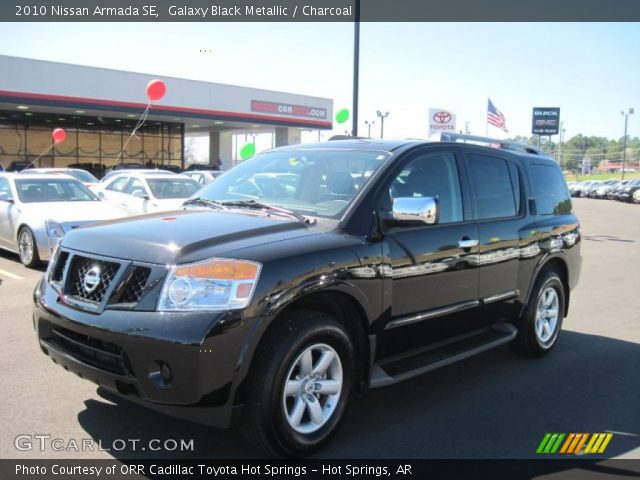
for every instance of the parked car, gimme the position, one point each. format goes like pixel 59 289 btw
pixel 37 210
pixel 19 165
pixel 375 262
pixel 140 193
pixel 106 179
pixel 202 166
pixel 203 177
pixel 613 193
pixel 602 190
pixel 87 179
pixel 625 193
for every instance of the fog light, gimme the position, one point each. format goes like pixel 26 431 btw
pixel 165 371
pixel 160 374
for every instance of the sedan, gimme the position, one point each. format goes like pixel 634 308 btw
pixel 203 177
pixel 37 210
pixel 82 175
pixel 140 193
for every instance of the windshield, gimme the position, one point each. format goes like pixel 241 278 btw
pixel 83 176
pixel 164 188
pixel 319 183
pixel 53 190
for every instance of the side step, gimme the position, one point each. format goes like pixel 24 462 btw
pixel 401 367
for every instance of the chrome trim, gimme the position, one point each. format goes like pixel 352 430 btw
pixel 431 313
pixel 501 296
pixel 467 243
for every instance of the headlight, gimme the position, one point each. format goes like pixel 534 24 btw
pixel 213 285
pixel 54 229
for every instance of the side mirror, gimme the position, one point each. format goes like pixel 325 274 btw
pixel 140 194
pixel 410 209
pixel 6 198
pixel 101 195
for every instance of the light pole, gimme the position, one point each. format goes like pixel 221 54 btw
pixel 624 150
pixel 356 69
pixel 382 116
pixel 368 124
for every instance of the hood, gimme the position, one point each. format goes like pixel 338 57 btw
pixel 182 237
pixel 73 213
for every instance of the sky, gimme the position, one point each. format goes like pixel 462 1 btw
pixel 590 70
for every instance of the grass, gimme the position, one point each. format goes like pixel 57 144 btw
pixel 602 176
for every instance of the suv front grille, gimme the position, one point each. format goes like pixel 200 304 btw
pixel 80 266
pixel 133 289
pixel 114 284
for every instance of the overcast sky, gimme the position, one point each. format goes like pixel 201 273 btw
pixel 591 70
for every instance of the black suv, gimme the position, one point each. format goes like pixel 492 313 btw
pixel 310 273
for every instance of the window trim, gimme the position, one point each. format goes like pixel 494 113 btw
pixel 474 194
pixel 398 165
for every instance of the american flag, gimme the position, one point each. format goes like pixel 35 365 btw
pixel 495 117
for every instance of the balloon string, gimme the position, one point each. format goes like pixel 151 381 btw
pixel 39 156
pixel 143 118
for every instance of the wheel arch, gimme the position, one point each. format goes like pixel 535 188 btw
pixel 559 265
pixel 336 303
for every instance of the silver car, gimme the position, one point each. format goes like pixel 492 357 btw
pixel 37 210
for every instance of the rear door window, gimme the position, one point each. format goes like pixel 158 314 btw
pixel 552 194
pixel 492 181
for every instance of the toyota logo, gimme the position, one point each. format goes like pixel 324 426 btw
pixel 91 279
pixel 442 117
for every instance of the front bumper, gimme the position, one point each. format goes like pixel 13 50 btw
pixel 180 364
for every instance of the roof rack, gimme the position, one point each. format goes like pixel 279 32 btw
pixel 503 144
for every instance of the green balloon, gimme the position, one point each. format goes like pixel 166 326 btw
pixel 342 116
pixel 247 151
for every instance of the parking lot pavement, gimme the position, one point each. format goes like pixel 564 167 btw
pixel 495 405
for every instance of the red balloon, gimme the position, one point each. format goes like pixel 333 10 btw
pixel 156 90
pixel 59 135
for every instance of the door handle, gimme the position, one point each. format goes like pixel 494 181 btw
pixel 467 243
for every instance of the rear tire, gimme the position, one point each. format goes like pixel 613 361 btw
pixel 28 248
pixel 301 385
pixel 540 324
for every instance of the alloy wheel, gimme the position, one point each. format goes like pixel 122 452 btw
pixel 312 388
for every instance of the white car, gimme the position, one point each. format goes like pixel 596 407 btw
pixel 140 193
pixel 37 210
pixel 203 177
pixel 87 179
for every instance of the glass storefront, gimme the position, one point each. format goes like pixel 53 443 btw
pixel 92 143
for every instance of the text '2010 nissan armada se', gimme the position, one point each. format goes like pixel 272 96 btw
pixel 310 273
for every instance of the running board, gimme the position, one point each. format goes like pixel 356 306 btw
pixel 401 367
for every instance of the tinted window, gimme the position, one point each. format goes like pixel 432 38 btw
pixel 34 191
pixel 136 186
pixel 495 195
pixel 5 189
pixel 82 175
pixel 163 188
pixel 432 175
pixel 118 184
pixel 552 195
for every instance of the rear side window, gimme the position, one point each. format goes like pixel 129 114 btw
pixel 492 181
pixel 552 195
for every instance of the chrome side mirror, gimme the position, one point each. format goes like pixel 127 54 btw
pixel 411 209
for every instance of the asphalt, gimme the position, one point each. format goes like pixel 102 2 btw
pixel 495 405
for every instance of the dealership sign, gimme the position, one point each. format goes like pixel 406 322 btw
pixel 546 121
pixel 287 109
pixel 441 121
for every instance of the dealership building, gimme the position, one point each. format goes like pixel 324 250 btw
pixel 99 108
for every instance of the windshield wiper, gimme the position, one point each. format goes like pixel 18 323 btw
pixel 204 202
pixel 269 208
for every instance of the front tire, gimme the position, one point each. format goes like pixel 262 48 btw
pixel 301 385
pixel 28 248
pixel 541 322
